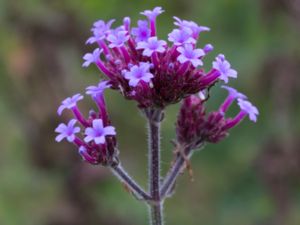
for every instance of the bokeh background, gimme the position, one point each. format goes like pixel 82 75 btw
pixel 251 178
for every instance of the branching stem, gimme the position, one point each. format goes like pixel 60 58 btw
pixel 132 186
pixel 174 172
pixel 177 167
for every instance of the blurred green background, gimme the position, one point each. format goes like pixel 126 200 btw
pixel 251 178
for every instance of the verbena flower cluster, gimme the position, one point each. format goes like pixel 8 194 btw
pixel 155 73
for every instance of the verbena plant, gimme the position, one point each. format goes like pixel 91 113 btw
pixel 155 74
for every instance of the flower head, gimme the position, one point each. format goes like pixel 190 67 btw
pixel 98 132
pixel 69 103
pixel 223 66
pixel 189 54
pixel 152 14
pixel 117 39
pixel 92 57
pixel 98 90
pixel 138 73
pixel 142 32
pixel 248 108
pixel 155 74
pixel 152 45
pixel 67 131
pixel 180 37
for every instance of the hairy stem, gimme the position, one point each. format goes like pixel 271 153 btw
pixel 182 158
pixel 156 213
pixel 154 119
pixel 132 186
pixel 174 172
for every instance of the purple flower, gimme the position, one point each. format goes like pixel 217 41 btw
pixel 142 32
pixel 69 103
pixel 117 39
pixel 92 57
pixel 67 131
pixel 100 29
pixel 249 109
pixel 152 45
pixel 97 90
pixel 189 54
pixel 233 93
pixel 97 36
pixel 100 24
pixel 223 66
pixel 195 28
pixel 138 73
pixel 152 14
pixel 180 37
pixel 98 132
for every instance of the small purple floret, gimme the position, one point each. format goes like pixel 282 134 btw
pixel 98 132
pixel 69 103
pixel 117 39
pixel 223 66
pixel 195 28
pixel 189 54
pixel 248 108
pixel 234 93
pixel 100 24
pixel 138 73
pixel 180 37
pixel 100 29
pixel 142 32
pixel 152 14
pixel 92 57
pixel 97 90
pixel 152 45
pixel 67 131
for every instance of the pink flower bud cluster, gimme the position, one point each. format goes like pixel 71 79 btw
pixel 195 126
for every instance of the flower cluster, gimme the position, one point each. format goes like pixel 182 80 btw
pixel 194 126
pixel 97 143
pixel 152 71
pixel 155 73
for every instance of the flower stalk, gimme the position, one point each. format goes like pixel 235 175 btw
pixel 154 117
pixel 155 74
pixel 130 183
pixel 174 172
